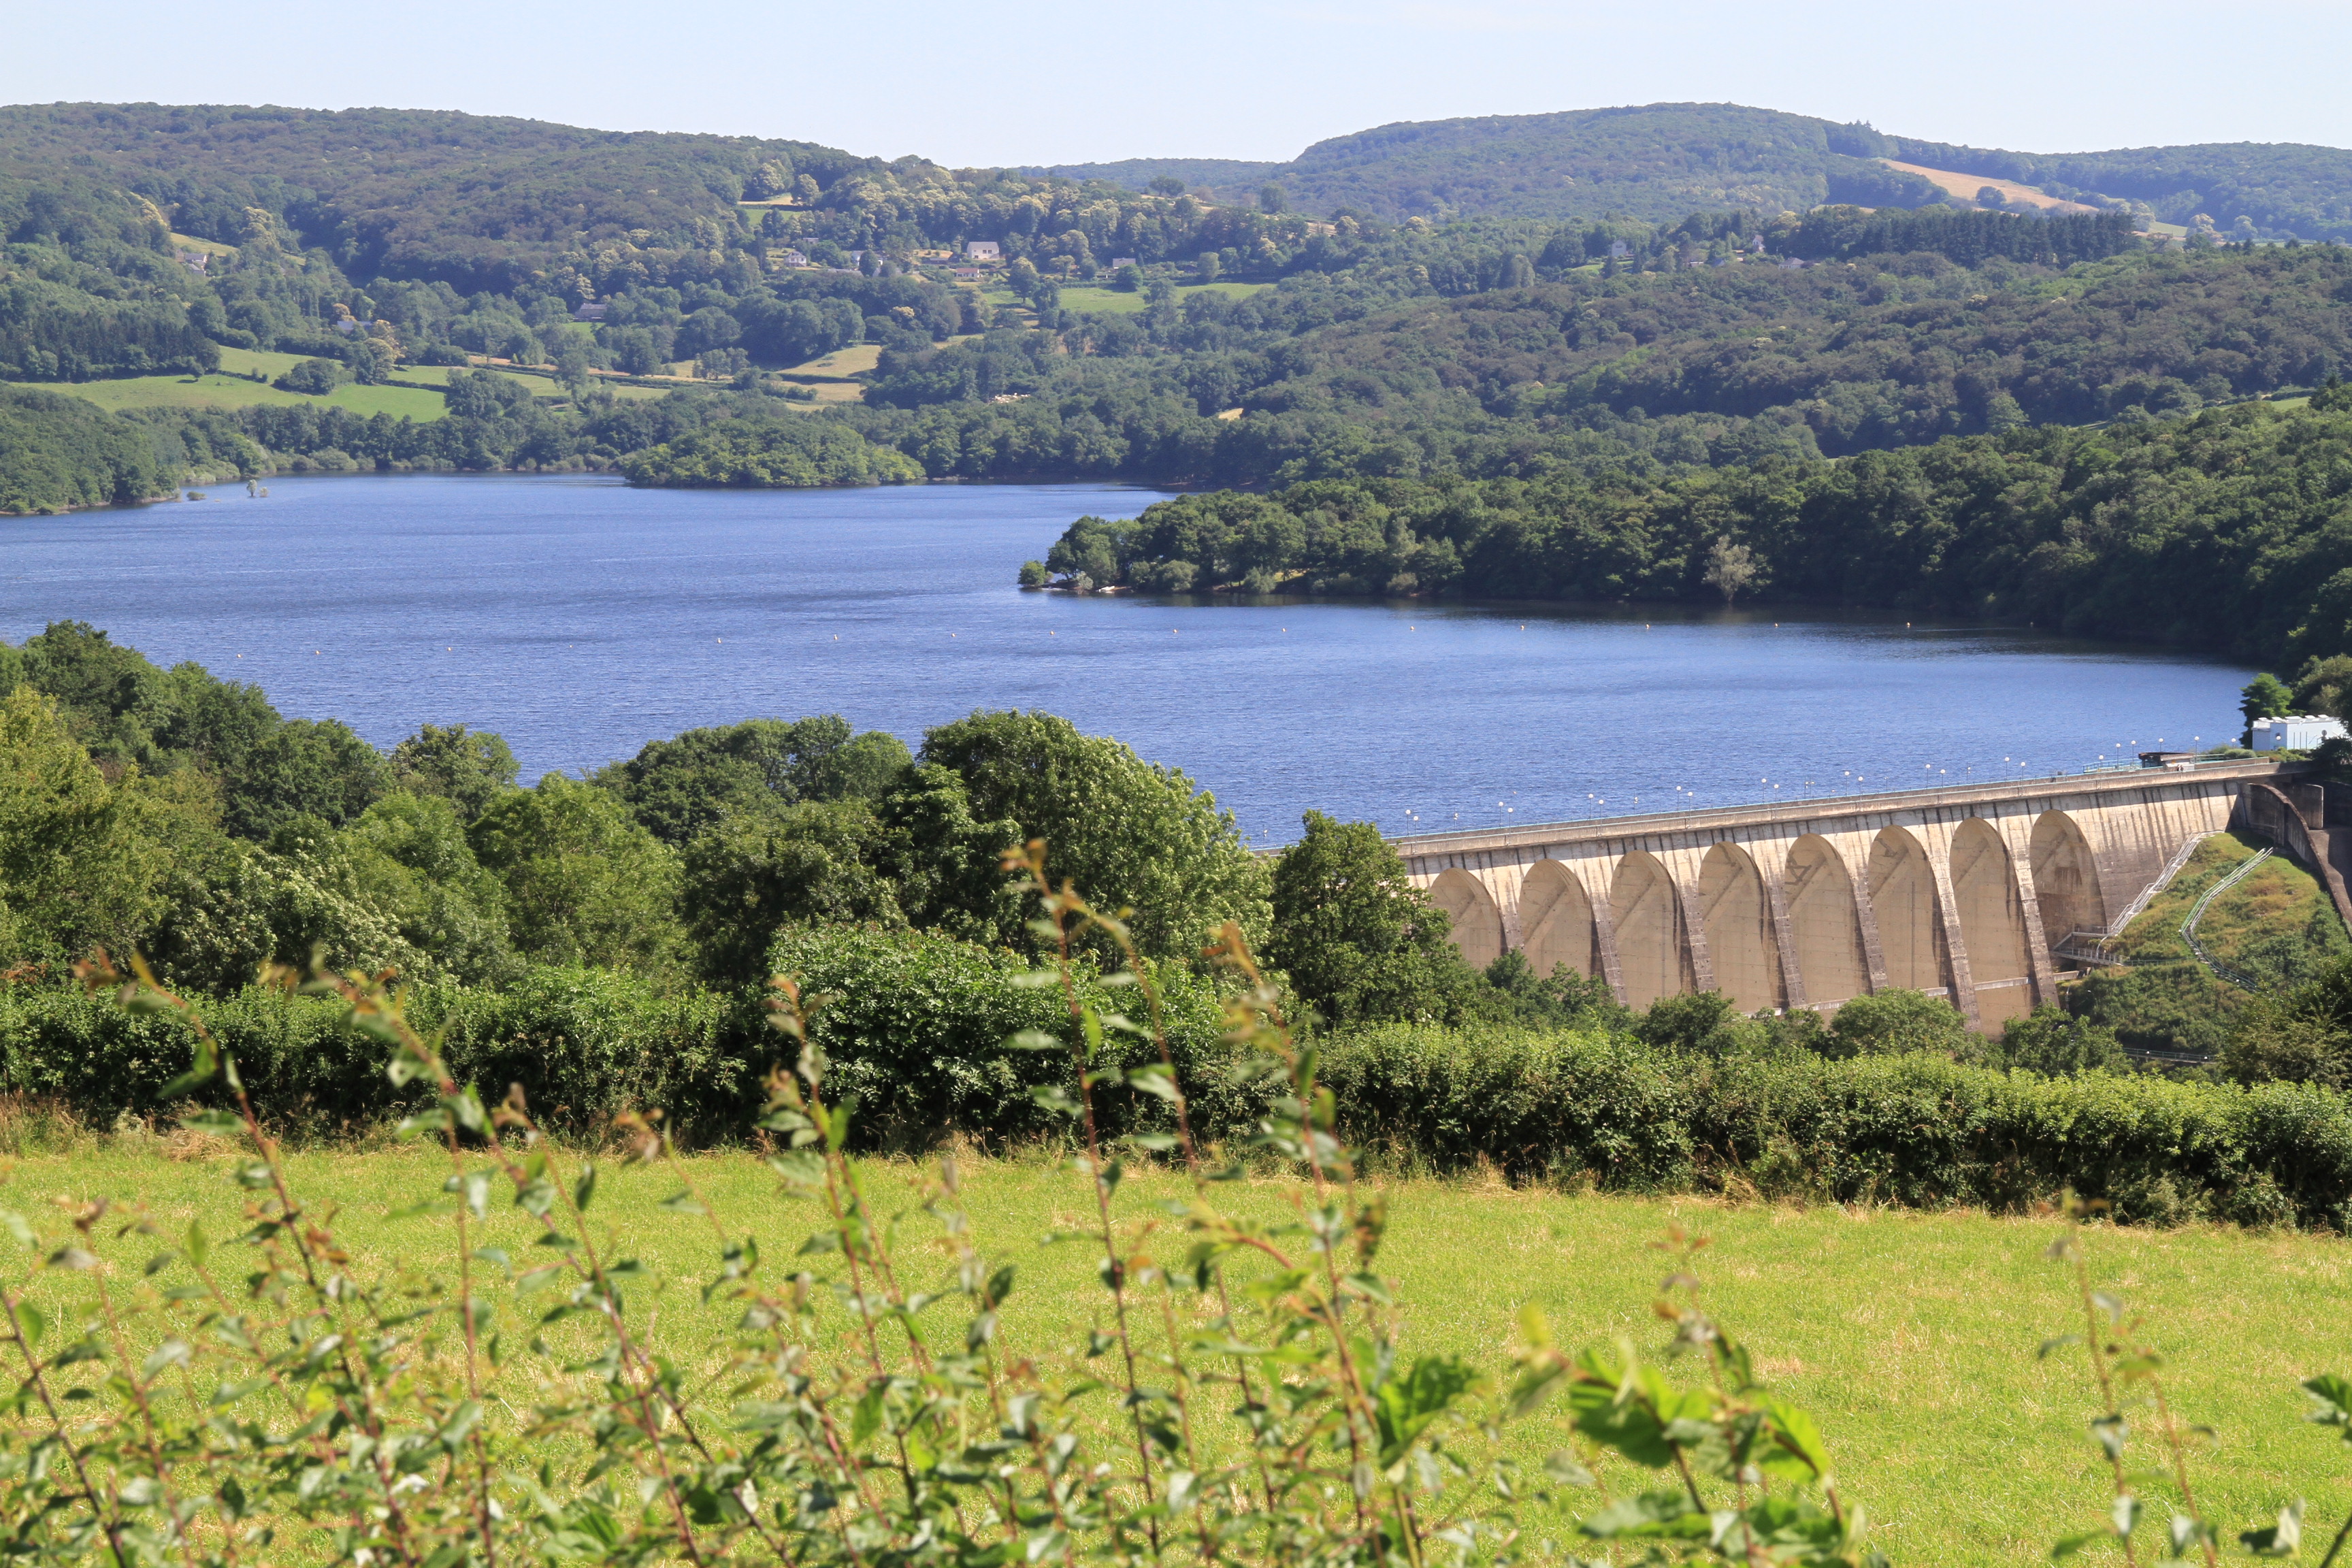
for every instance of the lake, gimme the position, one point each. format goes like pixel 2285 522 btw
pixel 580 619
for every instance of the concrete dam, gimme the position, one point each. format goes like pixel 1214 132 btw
pixel 1968 892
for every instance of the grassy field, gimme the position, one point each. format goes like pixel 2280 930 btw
pixel 231 389
pixel 856 359
pixel 1108 301
pixel 1910 1336
pixel 234 392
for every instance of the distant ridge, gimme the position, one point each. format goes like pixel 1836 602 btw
pixel 1661 160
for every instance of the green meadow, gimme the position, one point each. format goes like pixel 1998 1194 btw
pixel 1910 1336
pixel 1104 300
pixel 234 388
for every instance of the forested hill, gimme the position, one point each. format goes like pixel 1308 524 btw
pixel 1695 365
pixel 474 199
pixel 1655 162
pixel 2278 188
pixel 1660 160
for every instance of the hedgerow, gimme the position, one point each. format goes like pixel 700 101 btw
pixel 1916 1130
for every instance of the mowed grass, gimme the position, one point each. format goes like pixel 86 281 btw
pixel 1910 1336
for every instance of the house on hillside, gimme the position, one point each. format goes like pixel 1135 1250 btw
pixel 982 250
pixel 1119 261
pixel 965 274
pixel 588 312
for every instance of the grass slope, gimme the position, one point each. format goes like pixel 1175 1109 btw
pixel 2278 923
pixel 1910 1336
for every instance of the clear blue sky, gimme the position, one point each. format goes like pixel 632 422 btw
pixel 985 82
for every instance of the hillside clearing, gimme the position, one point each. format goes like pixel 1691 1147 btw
pixel 1966 187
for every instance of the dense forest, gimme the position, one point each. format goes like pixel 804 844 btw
pixel 58 452
pixel 2231 529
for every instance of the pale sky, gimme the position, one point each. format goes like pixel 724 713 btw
pixel 985 82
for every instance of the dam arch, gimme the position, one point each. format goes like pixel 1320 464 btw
pixel 1824 923
pixel 1738 918
pixel 2065 877
pixel 1556 921
pixel 1478 920
pixel 1991 911
pixel 1645 907
pixel 1903 897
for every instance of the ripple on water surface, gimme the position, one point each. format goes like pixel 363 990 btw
pixel 580 619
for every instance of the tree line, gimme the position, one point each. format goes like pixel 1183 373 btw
pixel 2223 531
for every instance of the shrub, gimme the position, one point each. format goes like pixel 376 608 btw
pixel 2053 1042
pixel 312 377
pixel 915 1026
pixel 1897 1021
pixel 587 1044
pixel 1562 1105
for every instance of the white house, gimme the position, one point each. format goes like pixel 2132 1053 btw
pixel 2296 732
pixel 983 250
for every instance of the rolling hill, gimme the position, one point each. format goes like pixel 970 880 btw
pixel 1661 160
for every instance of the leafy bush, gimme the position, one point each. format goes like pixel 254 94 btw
pixel 313 377
pixel 915 1026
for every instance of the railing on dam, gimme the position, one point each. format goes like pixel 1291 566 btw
pixel 1634 822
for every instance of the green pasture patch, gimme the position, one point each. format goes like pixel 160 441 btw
pixel 1104 300
pixel 1910 1336
pixel 2278 900
pixel 854 358
pixel 234 391
pixel 261 361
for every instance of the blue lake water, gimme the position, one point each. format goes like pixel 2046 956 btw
pixel 580 619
